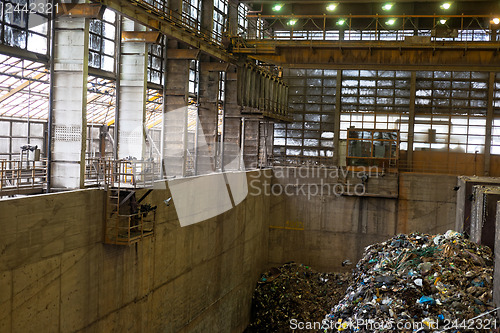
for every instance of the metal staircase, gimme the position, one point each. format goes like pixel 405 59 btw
pixel 127 222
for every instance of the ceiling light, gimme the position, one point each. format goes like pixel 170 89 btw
pixel 292 22
pixel 496 20
pixel 341 21
pixel 387 6
pixel 446 5
pixel 442 21
pixel 277 7
pixel 390 21
pixel 331 7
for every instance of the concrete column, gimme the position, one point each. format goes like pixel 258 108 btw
pixel 252 28
pixel 207 113
pixel 207 15
pixel 175 116
pixel 411 120
pixel 69 102
pixel 232 16
pixel 175 5
pixel 232 123
pixel 489 125
pixel 132 95
pixel 336 120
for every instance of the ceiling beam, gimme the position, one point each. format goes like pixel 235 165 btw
pixel 21 87
pixel 398 55
pixel 185 54
pixel 150 37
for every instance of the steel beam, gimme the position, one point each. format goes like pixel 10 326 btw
pixel 183 54
pixel 346 55
pixel 214 66
pixel 165 23
pixel 150 37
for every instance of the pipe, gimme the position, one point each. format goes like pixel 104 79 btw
pixel 222 136
pixel 164 94
pixel 117 86
pixel 51 100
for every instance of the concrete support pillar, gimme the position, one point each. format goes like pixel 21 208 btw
pixel 132 95
pixel 489 124
pixel 69 103
pixel 232 124
pixel 175 5
pixel 175 117
pixel 252 32
pixel 207 127
pixel 411 121
pixel 336 120
pixel 207 15
pixel 232 17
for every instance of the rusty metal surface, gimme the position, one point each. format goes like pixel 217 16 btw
pixel 141 36
pixel 89 10
pixel 376 54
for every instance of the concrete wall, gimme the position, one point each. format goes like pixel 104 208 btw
pixel 56 275
pixel 426 203
pixel 324 230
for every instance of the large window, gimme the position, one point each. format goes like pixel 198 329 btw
pixel 312 105
pixel 375 100
pixel 194 79
pixel 191 10
pixel 155 62
pixel 495 139
pixel 451 111
pixel 25 25
pixel 102 38
pixel 242 18
pixel 220 17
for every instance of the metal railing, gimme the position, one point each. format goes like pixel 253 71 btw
pixel 102 172
pixel 458 28
pixel 182 20
pixel 22 175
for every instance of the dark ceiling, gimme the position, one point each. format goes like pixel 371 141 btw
pixel 354 7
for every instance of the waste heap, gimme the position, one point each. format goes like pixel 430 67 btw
pixel 294 291
pixel 417 283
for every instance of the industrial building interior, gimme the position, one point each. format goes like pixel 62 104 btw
pixel 157 156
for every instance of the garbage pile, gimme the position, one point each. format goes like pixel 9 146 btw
pixel 294 291
pixel 419 283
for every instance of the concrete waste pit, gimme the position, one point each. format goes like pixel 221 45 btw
pixel 294 291
pixel 409 283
